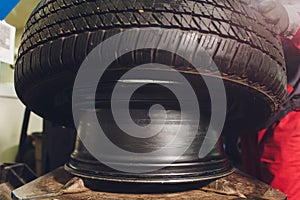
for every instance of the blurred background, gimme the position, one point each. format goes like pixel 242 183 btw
pixel 11 109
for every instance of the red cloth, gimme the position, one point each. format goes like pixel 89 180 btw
pixel 273 155
pixel 250 154
pixel 280 155
pixel 290 89
pixel 296 39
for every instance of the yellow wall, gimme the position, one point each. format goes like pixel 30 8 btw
pixel 11 117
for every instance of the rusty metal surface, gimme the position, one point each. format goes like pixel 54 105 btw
pixel 234 186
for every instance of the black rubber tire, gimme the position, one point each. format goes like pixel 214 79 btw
pixel 60 33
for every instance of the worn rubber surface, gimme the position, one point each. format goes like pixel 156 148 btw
pixel 60 33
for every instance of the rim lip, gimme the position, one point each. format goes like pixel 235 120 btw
pixel 155 179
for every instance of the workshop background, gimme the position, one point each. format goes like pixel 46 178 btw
pixel 11 115
pixel 38 156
